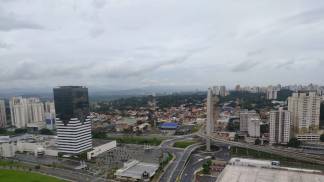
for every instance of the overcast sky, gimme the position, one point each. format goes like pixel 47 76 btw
pixel 119 44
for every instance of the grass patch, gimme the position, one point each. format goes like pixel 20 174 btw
pixel 196 128
pixel 183 144
pixel 136 140
pixel 10 163
pixel 20 176
pixel 284 161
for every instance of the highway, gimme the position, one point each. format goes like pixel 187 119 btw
pixel 289 153
pixel 181 157
pixel 199 157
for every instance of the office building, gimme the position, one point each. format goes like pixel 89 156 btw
pixel 212 114
pixel 3 116
pixel 73 123
pixel 280 123
pixel 305 112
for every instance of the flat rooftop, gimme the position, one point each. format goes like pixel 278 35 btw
pixel 136 169
pixel 245 173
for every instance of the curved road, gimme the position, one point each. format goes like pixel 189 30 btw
pixel 181 157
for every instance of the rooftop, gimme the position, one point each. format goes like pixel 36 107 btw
pixel 135 169
pixel 169 125
pixel 245 173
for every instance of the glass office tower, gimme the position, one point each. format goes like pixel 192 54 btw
pixel 71 102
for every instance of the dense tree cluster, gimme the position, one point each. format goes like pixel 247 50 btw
pixel 248 100
pixel 294 142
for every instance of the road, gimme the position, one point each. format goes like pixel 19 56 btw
pixel 181 157
pixel 273 150
pixel 199 157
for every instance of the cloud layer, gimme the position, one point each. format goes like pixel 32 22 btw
pixel 119 44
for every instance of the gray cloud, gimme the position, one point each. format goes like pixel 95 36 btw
pixel 4 45
pixel 286 64
pixel 132 43
pixel 9 22
pixel 245 66
pixel 99 3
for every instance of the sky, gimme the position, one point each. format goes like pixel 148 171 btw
pixel 123 44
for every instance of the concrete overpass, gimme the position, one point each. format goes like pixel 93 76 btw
pixel 289 153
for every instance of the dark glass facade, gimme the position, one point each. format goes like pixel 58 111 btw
pixel 71 102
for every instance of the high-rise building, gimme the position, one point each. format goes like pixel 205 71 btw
pixel 73 123
pixel 280 123
pixel 19 112
pixel 219 90
pixel 272 93
pixel 244 119
pixel 3 116
pixel 212 114
pixel 305 112
pixel 254 126
pixel 50 115
pixel 237 88
pixel 26 112
pixel 35 109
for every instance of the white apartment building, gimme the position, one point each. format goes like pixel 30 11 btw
pixel 18 111
pixel 305 112
pixel 280 123
pixel 3 116
pixel 244 117
pixel 26 112
pixel 73 137
pixel 219 90
pixel 35 110
pixel 272 93
pixel 254 126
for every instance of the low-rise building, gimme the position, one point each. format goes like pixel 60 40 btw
pixel 101 149
pixel 308 137
pixel 242 170
pixel 136 171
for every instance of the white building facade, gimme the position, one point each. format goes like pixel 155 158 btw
pixel 280 122
pixel 26 112
pixel 305 112
pixel 19 112
pixel 244 118
pixel 50 115
pixel 3 116
pixel 272 94
pixel 254 126
pixel 74 136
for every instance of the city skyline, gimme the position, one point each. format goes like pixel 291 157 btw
pixel 128 44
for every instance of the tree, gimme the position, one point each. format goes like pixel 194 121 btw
pixel 264 128
pixel 294 142
pixel 206 167
pixel 322 137
pixel 257 142
pixel 236 137
pixel 20 130
pixel 46 131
